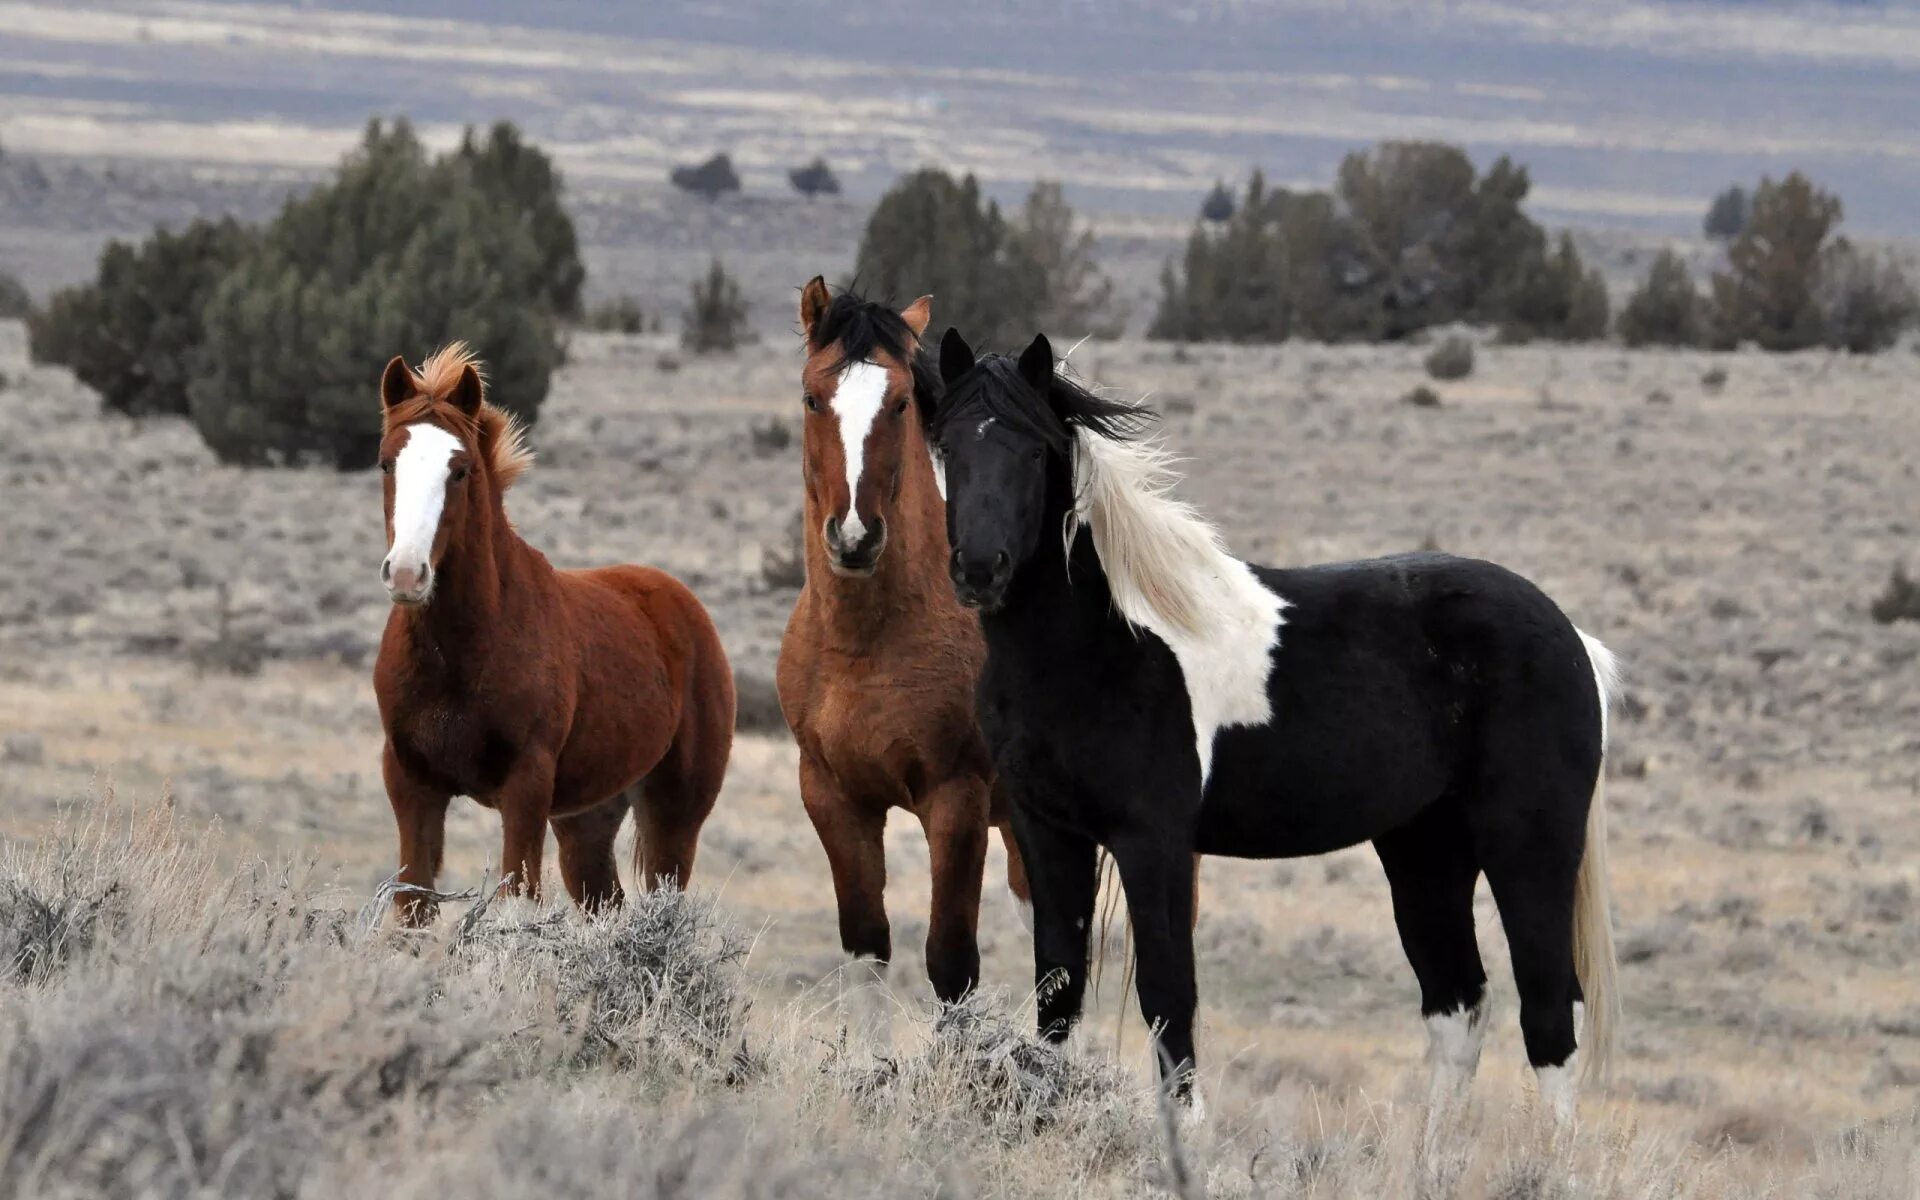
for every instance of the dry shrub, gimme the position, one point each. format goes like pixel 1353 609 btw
pixel 1451 359
pixel 979 1066
pixel 656 981
pixel 248 1035
pixel 1900 602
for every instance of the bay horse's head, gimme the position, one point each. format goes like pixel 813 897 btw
pixel 444 451
pixel 1008 432
pixel 866 393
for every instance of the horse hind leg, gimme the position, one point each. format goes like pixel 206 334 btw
pixel 586 841
pixel 678 795
pixel 1533 873
pixel 1431 869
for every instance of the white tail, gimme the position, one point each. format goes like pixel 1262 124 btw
pixel 1593 956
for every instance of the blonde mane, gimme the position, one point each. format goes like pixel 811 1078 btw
pixel 1165 563
pixel 501 437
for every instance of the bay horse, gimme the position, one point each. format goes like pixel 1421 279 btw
pixel 560 698
pixel 879 662
pixel 1149 693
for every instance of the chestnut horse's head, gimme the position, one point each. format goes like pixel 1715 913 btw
pixel 444 452
pixel 865 390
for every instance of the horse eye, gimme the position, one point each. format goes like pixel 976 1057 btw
pixel 386 466
pixel 459 473
pixel 900 408
pixel 812 404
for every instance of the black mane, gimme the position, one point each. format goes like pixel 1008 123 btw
pixel 861 328
pixel 996 388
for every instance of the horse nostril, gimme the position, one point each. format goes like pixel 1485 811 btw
pixel 833 529
pixel 1002 563
pixel 386 571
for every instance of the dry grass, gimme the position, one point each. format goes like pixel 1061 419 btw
pixel 176 1031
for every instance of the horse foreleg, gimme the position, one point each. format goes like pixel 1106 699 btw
pixel 853 838
pixel 525 802
pixel 954 816
pixel 1060 868
pixel 420 814
pixel 1158 879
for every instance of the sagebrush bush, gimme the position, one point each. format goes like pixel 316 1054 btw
pixel 244 1033
pixel 1451 359
pixel 622 314
pixel 715 319
pixel 134 333
pixel 397 255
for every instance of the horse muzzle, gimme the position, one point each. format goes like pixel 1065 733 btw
pixel 980 582
pixel 407 585
pixel 853 549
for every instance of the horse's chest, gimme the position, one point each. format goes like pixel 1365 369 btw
pixel 893 740
pixel 454 746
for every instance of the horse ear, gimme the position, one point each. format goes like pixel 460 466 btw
pixel 1036 364
pixel 917 314
pixel 956 357
pixel 468 392
pixel 396 382
pixel 814 299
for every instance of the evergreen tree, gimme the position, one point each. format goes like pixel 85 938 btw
pixel 1666 309
pixel 397 255
pixel 132 334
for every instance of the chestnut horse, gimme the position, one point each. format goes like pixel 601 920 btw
pixel 552 697
pixel 879 663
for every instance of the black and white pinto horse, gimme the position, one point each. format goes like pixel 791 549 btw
pixel 1147 692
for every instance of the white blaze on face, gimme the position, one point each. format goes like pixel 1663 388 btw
pixel 420 493
pixel 857 402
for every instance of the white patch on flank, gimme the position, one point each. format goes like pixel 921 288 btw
pixel 1453 1049
pixel 1171 575
pixel 857 402
pixel 1556 1090
pixel 420 492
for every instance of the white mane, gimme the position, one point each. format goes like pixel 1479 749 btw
pixel 1170 573
pixel 1165 563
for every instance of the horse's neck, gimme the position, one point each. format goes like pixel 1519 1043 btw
pixel 479 584
pixel 911 574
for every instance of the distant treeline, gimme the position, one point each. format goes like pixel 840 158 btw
pixel 268 337
pixel 1411 236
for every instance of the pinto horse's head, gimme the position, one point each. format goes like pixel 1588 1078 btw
pixel 864 391
pixel 444 451
pixel 1008 431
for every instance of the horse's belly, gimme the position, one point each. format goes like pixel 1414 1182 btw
pixel 1298 799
